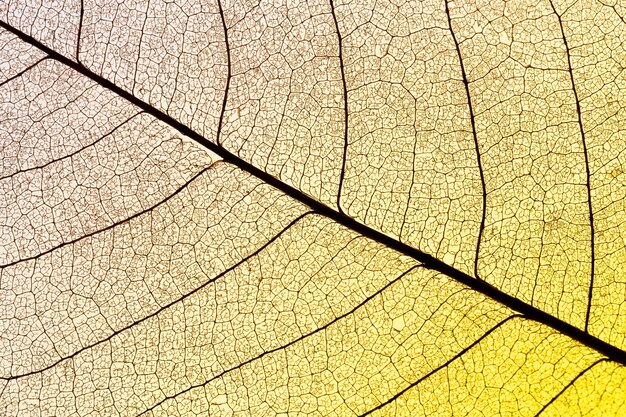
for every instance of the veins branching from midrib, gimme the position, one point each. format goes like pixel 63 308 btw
pixel 112 225
pixel 291 343
pixel 142 31
pixel 24 71
pixel 531 312
pixel 588 174
pixel 228 76
pixel 76 152
pixel 475 136
pixel 571 383
pixel 345 107
pixel 165 307
pixel 80 29
pixel 442 366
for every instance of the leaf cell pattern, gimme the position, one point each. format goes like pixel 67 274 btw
pixel 169 54
pixel 312 208
pixel 286 103
pixel 17 56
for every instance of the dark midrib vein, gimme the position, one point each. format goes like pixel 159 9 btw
pixel 292 342
pixel 582 135
pixel 475 136
pixel 345 107
pixel 165 307
pixel 228 76
pixel 440 367
pixel 612 352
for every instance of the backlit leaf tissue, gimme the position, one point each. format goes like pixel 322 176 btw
pixel 312 208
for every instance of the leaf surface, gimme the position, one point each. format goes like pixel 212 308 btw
pixel 331 208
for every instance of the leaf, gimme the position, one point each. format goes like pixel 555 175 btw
pixel 321 208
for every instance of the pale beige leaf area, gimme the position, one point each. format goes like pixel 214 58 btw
pixel 312 208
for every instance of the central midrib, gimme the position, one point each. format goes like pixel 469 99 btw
pixel 612 352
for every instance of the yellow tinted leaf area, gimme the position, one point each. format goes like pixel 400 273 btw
pixel 313 208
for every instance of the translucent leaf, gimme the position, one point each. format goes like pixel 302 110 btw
pixel 312 208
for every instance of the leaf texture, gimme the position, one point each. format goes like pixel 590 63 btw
pixel 312 208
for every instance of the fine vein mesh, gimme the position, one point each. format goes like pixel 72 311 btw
pixel 312 273
pixel 169 54
pixel 597 392
pixel 51 112
pixel 129 171
pixel 411 164
pixel 142 277
pixel 596 34
pixel 412 326
pixel 55 22
pixel 536 244
pixel 15 56
pixel 82 293
pixel 285 108
pixel 513 371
